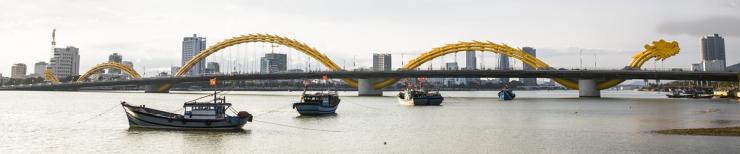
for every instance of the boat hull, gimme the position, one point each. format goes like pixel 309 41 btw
pixel 421 101
pixel 139 117
pixel 314 108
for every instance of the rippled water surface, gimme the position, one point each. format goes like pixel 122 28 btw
pixel 468 122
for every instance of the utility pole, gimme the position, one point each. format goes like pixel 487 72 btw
pixel 580 59
pixel 595 60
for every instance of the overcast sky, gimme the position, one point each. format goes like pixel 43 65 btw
pixel 149 33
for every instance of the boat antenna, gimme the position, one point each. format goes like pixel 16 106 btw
pixel 305 86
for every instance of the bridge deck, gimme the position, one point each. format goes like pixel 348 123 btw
pixel 572 74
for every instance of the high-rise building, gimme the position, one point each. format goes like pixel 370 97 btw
pixel 274 62
pixel 39 68
pixel 470 60
pixel 503 64
pixel 529 81
pixel 713 53
pixel 114 58
pixel 381 62
pixel 713 47
pixel 18 71
pixel 213 68
pixel 191 46
pixel 65 62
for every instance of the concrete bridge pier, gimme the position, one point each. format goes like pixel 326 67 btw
pixel 587 88
pixel 157 88
pixel 365 88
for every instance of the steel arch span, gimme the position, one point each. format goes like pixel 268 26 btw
pixel 267 38
pixel 128 70
pixel 658 49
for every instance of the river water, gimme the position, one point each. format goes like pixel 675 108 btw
pixel 468 122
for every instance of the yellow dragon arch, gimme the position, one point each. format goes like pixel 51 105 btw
pixel 466 46
pixel 49 76
pixel 660 50
pixel 251 38
pixel 128 70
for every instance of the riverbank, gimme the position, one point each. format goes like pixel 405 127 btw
pixel 725 131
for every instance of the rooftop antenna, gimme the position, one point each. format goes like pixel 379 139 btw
pixel 272 47
pixel 354 62
pixel 53 37
pixel 401 59
pixel 53 41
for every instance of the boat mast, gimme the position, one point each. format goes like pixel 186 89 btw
pixel 215 88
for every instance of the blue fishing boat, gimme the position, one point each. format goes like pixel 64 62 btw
pixel 506 94
pixel 318 103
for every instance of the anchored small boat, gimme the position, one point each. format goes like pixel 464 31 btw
pixel 691 93
pixel 418 96
pixel 318 103
pixel 414 97
pixel 506 94
pixel 197 115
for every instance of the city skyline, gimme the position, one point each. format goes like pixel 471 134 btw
pixel 337 33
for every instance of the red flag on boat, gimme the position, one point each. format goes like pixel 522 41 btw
pixel 421 79
pixel 213 82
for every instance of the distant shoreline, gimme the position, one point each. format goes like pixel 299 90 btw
pixel 722 131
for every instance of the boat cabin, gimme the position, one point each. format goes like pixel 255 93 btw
pixel 206 110
pixel 326 99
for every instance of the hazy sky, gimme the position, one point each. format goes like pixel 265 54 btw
pixel 149 33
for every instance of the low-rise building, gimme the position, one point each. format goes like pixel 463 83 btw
pixel 18 71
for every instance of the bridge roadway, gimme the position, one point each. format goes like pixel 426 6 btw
pixel 569 74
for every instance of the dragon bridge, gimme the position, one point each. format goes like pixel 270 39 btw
pixel 660 50
pixel 51 77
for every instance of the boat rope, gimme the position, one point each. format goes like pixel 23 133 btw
pixel 270 111
pixel 99 114
pixel 365 106
pixel 297 127
pixel 178 110
pixel 209 95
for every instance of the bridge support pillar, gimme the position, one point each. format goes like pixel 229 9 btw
pixel 156 88
pixel 587 88
pixel 365 88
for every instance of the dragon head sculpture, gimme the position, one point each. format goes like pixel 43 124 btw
pixel 662 49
